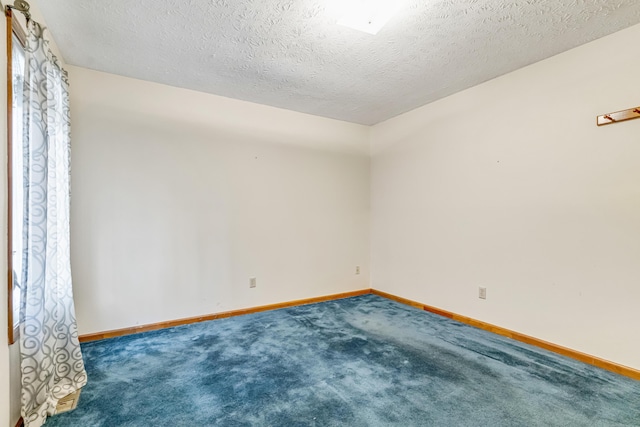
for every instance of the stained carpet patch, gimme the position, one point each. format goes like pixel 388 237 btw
pixel 362 361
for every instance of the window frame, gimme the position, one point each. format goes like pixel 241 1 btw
pixel 13 27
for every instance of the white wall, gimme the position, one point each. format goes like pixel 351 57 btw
pixel 510 185
pixel 179 197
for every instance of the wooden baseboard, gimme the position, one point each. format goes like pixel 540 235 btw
pixel 233 313
pixel 582 357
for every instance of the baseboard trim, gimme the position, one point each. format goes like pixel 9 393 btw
pixel 582 357
pixel 178 322
pixel 555 348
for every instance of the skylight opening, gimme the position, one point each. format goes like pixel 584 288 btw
pixel 368 16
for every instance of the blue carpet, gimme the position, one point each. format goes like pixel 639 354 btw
pixel 363 361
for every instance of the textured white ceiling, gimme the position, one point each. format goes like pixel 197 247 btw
pixel 291 53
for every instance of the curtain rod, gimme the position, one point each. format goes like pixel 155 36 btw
pixel 21 6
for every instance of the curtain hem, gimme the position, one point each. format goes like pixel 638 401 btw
pixel 39 415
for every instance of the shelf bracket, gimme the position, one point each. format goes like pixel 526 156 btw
pixel 619 116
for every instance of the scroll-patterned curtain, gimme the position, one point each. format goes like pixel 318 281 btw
pixel 51 361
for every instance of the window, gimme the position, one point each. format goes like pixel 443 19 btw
pixel 15 69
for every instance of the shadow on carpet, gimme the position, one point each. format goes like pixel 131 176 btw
pixel 362 361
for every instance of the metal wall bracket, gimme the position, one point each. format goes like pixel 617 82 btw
pixel 20 6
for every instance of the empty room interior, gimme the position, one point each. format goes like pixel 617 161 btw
pixel 320 213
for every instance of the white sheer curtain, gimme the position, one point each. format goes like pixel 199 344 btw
pixel 51 360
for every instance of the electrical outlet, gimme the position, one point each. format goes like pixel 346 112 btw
pixel 252 282
pixel 357 269
pixel 482 294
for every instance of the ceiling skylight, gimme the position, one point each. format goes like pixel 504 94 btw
pixel 368 15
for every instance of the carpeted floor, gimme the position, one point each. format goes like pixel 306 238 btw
pixel 363 361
